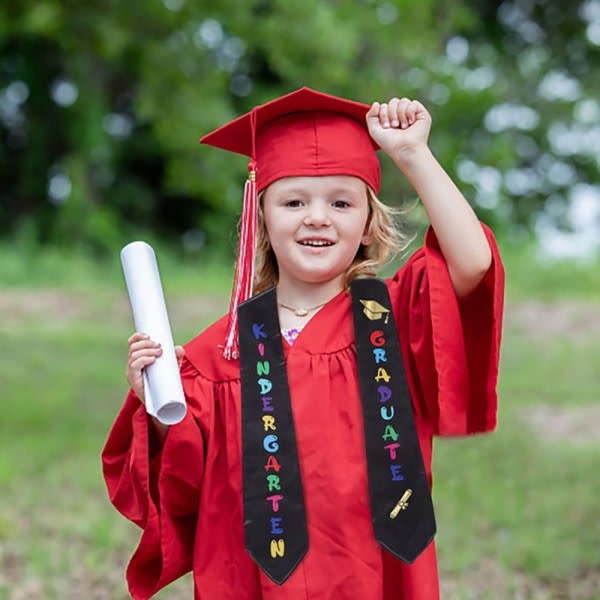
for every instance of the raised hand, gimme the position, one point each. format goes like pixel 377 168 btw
pixel 399 126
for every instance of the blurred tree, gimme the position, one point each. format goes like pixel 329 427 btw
pixel 534 158
pixel 102 103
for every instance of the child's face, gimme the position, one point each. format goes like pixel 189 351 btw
pixel 315 225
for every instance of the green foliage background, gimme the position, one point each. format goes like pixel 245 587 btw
pixel 102 104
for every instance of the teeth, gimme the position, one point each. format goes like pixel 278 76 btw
pixel 316 243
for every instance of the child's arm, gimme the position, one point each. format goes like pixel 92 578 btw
pixel 142 353
pixel 401 128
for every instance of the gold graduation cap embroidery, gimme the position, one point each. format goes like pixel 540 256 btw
pixel 375 311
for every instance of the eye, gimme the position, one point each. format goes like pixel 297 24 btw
pixel 341 204
pixel 293 203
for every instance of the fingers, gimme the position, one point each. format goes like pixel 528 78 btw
pixel 397 113
pixel 142 352
pixel 143 357
pixel 179 354
pixel 137 336
pixel 373 112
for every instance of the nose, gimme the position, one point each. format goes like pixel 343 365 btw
pixel 316 215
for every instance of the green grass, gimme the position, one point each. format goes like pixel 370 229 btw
pixel 532 276
pixel 524 502
pixel 558 372
pixel 527 502
pixel 23 266
pixel 61 386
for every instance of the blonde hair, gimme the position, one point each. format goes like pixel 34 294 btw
pixel 388 241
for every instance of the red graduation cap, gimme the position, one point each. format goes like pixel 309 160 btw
pixel 305 133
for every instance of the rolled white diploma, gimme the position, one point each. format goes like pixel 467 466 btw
pixel 162 382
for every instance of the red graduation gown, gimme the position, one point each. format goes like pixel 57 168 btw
pixel 187 495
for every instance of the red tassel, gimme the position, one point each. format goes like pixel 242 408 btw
pixel 244 266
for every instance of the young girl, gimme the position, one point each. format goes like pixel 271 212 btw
pixel 279 482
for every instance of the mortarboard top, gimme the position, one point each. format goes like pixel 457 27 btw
pixel 303 133
pixel 374 311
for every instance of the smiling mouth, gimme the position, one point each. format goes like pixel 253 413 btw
pixel 315 243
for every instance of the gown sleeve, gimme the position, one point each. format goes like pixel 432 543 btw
pixel 157 487
pixel 452 348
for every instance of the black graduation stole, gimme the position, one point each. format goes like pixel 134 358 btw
pixel 401 505
pixel 274 513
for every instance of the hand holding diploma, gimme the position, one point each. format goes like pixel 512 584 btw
pixel 152 368
pixel 143 352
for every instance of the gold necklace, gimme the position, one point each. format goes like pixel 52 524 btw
pixel 301 312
